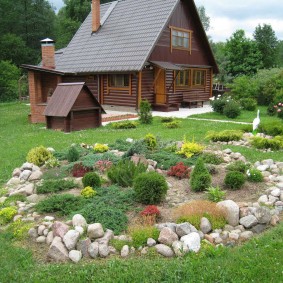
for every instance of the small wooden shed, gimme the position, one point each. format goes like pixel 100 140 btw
pixel 73 107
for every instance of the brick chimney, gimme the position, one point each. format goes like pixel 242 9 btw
pixel 95 11
pixel 48 53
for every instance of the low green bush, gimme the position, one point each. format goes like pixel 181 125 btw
pixel 124 125
pixel 38 155
pixel 232 109
pixel 272 128
pixel 7 214
pixel 19 229
pixel 238 166
pixel 73 154
pixel 234 180
pixel 91 179
pixel 200 178
pixel 11 200
pixel 224 136
pixel 215 194
pixel 188 149
pixel 90 159
pixel 124 172
pixel 119 244
pixel 88 192
pixel 53 186
pixel 55 173
pixel 264 143
pixel 140 234
pixel 100 148
pixel 121 145
pixel 150 187
pixel 248 104
pixel 62 204
pixel 211 158
pixel 254 175
pixel 137 147
pixel 172 125
pixel 150 141
pixel 167 119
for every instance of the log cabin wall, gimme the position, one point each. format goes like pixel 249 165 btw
pixel 147 85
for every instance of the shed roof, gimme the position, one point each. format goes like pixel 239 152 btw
pixel 64 97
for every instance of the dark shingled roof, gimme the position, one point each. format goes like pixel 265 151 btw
pixel 63 99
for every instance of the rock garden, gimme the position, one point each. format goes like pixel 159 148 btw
pixel 139 197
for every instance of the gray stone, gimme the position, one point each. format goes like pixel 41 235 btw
pixel 93 250
pixel 281 196
pixel 95 231
pixel 41 239
pixel 108 235
pixel 262 168
pixel 263 215
pixel 167 236
pixel 272 199
pixel 27 166
pixel 103 250
pixel 144 251
pixel 151 242
pixel 247 235
pixel 35 175
pixel 75 256
pixel 192 241
pixel 34 198
pixel 263 199
pixel 49 218
pixel 83 246
pixel 178 248
pixel 201 234
pixel 58 251
pixel 17 172
pixel 112 250
pixel 169 225
pixel 259 228
pixel 25 175
pixel 268 162
pixel 234 236
pixel 249 221
pixel 2 199
pixel 40 229
pixel 70 239
pixel 125 251
pixel 26 190
pixel 227 151
pixel 185 229
pixel 79 229
pixel 280 186
pixel 33 233
pixel 218 240
pixel 59 229
pixel 205 225
pixel 232 211
pixel 49 238
pixel 14 181
pixel 17 217
pixel 79 220
pixel 164 250
pixel 274 220
pixel 228 228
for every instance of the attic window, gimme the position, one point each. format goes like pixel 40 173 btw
pixel 119 81
pixel 181 39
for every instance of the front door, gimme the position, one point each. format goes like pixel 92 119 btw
pixel 160 93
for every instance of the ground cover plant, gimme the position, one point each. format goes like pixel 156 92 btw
pixel 53 186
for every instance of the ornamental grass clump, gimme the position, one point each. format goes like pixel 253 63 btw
pixel 39 155
pixel 193 211
pixel 200 178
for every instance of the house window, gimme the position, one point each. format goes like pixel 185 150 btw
pixel 181 39
pixel 182 78
pixel 198 78
pixel 119 81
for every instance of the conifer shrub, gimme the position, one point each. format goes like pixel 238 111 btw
pixel 137 147
pixel 215 194
pixel 124 173
pixel 145 115
pixel 73 154
pixel 172 125
pixel 224 136
pixel 124 125
pixel 272 129
pixel 200 178
pixel 150 141
pixel 234 180
pixel 39 155
pixel 150 188
pixel 264 143
pixel 189 149
pixel 167 119
pixel 91 179
pixel 180 171
pixel 254 175
pixel 239 166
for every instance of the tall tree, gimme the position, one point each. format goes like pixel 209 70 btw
pixel 267 43
pixel 244 57
pixel 279 59
pixel 205 19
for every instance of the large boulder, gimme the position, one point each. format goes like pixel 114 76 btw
pixel 95 231
pixel 103 250
pixel 263 215
pixel 164 250
pixel 167 236
pixel 70 239
pixel 125 251
pixel 185 229
pixel 59 229
pixel 232 211
pixel 192 241
pixel 75 255
pixel 108 235
pixel 205 225
pixel 249 221
pixel 58 251
pixel 83 246
pixel 93 250
pixel 79 220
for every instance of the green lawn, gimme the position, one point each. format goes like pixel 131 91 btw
pixel 17 136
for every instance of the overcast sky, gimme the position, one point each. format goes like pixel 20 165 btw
pixel 228 16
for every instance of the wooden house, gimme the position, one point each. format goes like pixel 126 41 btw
pixel 127 51
pixel 73 107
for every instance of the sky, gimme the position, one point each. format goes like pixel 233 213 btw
pixel 228 16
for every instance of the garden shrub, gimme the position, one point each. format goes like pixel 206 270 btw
pixel 100 148
pixel 150 187
pixel 272 129
pixel 53 186
pixel 73 154
pixel 124 125
pixel 239 166
pixel 145 115
pixel 150 141
pixel 189 149
pixel 248 104
pixel 137 147
pixel 88 192
pixel 172 125
pixel 180 170
pixel 121 145
pixel 200 178
pixel 218 105
pixel 38 155
pixel 150 210
pixel 211 158
pixel 140 234
pixel 224 136
pixel 52 162
pixel 91 179
pixel 19 229
pixel 124 172
pixel 79 170
pixel 234 180
pixel 103 165
pixel 7 214
pixel 264 143
pixel 167 119
pixel 215 194
pixel 62 204
pixel 193 211
pixel 232 109
pixel 254 175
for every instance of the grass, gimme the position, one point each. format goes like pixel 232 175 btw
pixel 18 136
pixel 259 260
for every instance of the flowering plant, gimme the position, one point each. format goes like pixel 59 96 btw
pixel 103 165
pixel 279 109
